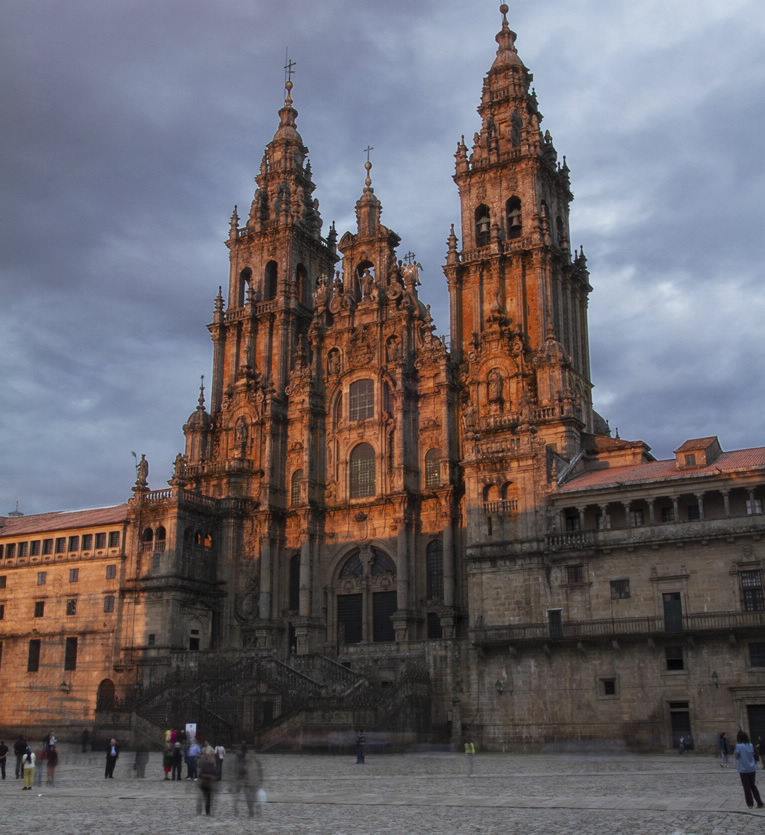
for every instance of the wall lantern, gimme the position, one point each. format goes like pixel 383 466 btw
pixel 499 688
pixel 65 687
pixel 715 679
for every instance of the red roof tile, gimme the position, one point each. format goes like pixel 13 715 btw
pixel 735 461
pixel 62 520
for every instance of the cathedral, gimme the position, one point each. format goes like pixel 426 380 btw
pixel 371 528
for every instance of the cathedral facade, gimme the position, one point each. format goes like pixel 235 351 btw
pixel 369 526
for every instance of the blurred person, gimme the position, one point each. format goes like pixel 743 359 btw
pixel 361 747
pixel 747 769
pixel 177 769
pixel 207 779
pixel 722 742
pixel 112 755
pixel 3 757
pixel 19 749
pixel 51 761
pixel 141 759
pixel 470 756
pixel 28 767
pixel 167 760
pixel 84 740
pixel 41 755
pixel 220 753
pixel 248 781
pixel 192 761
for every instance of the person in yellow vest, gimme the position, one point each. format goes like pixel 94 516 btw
pixel 470 754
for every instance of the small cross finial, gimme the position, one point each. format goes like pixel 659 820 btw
pixel 289 67
pixel 409 257
pixel 367 150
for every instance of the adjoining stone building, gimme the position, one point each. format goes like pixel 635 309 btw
pixel 370 527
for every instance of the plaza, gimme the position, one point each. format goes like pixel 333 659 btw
pixel 418 793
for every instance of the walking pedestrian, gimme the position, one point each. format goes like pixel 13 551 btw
pixel 177 768
pixel 28 767
pixel 112 755
pixel 747 769
pixel 52 762
pixel 3 757
pixel 167 760
pixel 723 745
pixel 470 755
pixel 19 749
pixel 249 781
pixel 207 780
pixel 361 747
pixel 220 753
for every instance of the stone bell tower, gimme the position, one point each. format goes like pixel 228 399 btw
pixel 518 306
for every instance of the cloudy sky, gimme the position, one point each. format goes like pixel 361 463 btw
pixel 132 127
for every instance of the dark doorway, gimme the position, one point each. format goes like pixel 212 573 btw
pixel 555 621
pixel 383 606
pixel 680 720
pixel 756 717
pixel 349 618
pixel 673 612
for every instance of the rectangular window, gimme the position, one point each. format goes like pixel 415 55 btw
pixel 690 460
pixel 637 518
pixel 39 608
pixel 34 547
pixel 574 574
pixel 3 580
pixel 111 572
pixel 33 659
pixel 668 514
pixel 114 539
pixel 23 549
pixel 70 654
pixel 572 522
pixel 608 686
pixel 10 550
pixel 87 542
pixel 74 575
pixel 71 606
pixel 152 639
pixel 109 603
pixel 674 658
pixel 155 561
pixel 47 546
pixel 753 506
pixel 757 654
pixel 100 540
pixel 2 550
pixel 603 521
pixel 620 589
pixel 74 543
pixel 361 401
pixel 2 611
pixel 751 586
pixel 42 578
pixel 60 544
pixel 693 513
pixel 194 640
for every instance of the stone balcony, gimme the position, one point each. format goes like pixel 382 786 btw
pixel 614 628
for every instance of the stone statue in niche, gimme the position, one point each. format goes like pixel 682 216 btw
pixel 333 361
pixel 495 386
pixel 240 431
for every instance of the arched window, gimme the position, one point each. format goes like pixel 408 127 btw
pixel 507 490
pixel 159 539
pixel 294 583
pixel 482 225
pixel 434 580
pixel 361 400
pixel 490 493
pixel 270 281
pixel 362 472
pixel 369 588
pixel 297 478
pixel 147 538
pixel 245 277
pixel 513 212
pixel 433 469
pixel 338 412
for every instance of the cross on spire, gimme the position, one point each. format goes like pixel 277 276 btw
pixel 289 67
pixel 409 257
pixel 367 150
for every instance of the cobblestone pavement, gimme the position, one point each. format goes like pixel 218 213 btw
pixel 420 794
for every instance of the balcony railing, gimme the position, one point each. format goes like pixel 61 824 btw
pixel 616 627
